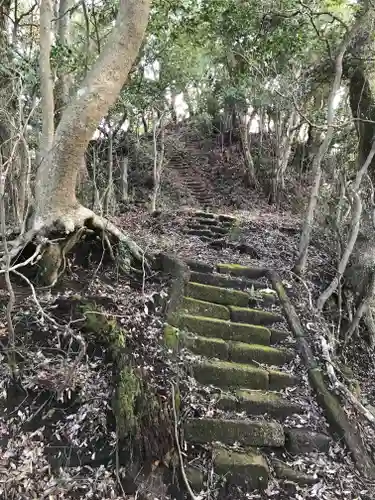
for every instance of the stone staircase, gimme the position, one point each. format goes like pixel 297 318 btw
pixel 191 177
pixel 209 227
pixel 231 325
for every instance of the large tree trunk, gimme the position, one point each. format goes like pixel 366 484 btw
pixel 63 83
pixel 56 206
pixel 57 175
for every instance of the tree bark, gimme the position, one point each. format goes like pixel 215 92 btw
pixel 63 83
pixel 46 83
pixel 57 175
pixel 124 179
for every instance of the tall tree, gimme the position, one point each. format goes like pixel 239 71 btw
pixel 56 206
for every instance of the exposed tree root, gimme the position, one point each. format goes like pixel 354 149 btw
pixel 73 225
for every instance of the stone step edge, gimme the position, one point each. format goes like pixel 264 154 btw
pixel 231 283
pixel 240 375
pixel 229 269
pixel 201 307
pixel 255 402
pixel 237 352
pixel 257 433
pixel 269 336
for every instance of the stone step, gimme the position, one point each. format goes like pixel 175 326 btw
pixel 209 239
pixel 259 403
pixel 199 267
pixel 287 473
pixel 197 307
pixel 201 232
pixel 238 352
pixel 254 316
pixel 219 280
pixel 204 215
pixel 217 294
pixel 247 469
pixel 247 433
pixel 244 271
pixel 211 222
pixel 299 441
pixel 265 296
pixel 278 336
pixel 241 352
pixel 213 229
pixel 242 376
pixel 226 218
pixel 226 330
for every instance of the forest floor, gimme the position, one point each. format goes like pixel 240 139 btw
pixel 62 399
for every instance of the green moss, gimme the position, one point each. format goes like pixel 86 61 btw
pixel 254 316
pixel 211 327
pixel 209 347
pixel 251 433
pixel 279 336
pixel 128 389
pixel 250 468
pixel 259 396
pixel 216 294
pixel 171 337
pixel 225 374
pixel 281 380
pixel 203 308
pixel 106 327
pixel 241 352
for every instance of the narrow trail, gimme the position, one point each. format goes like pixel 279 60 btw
pixel 243 358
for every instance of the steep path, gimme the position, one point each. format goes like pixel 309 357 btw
pixel 242 355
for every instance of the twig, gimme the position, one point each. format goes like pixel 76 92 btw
pixel 12 298
pixel 177 439
pixel 24 263
pixel 40 308
pixel 357 212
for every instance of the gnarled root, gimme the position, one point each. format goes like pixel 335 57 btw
pixel 74 224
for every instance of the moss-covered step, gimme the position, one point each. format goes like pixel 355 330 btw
pixel 220 280
pixel 209 227
pixel 226 330
pixel 207 222
pixel 278 336
pixel 230 375
pixel 204 215
pixel 201 232
pixel 238 270
pixel 241 352
pixel 197 307
pixel 279 380
pixel 209 347
pixel 248 469
pixel 248 433
pixel 200 267
pixel 226 218
pixel 238 352
pixel 306 441
pixel 217 294
pixel 259 403
pixel 265 297
pixel 227 374
pixel 254 316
